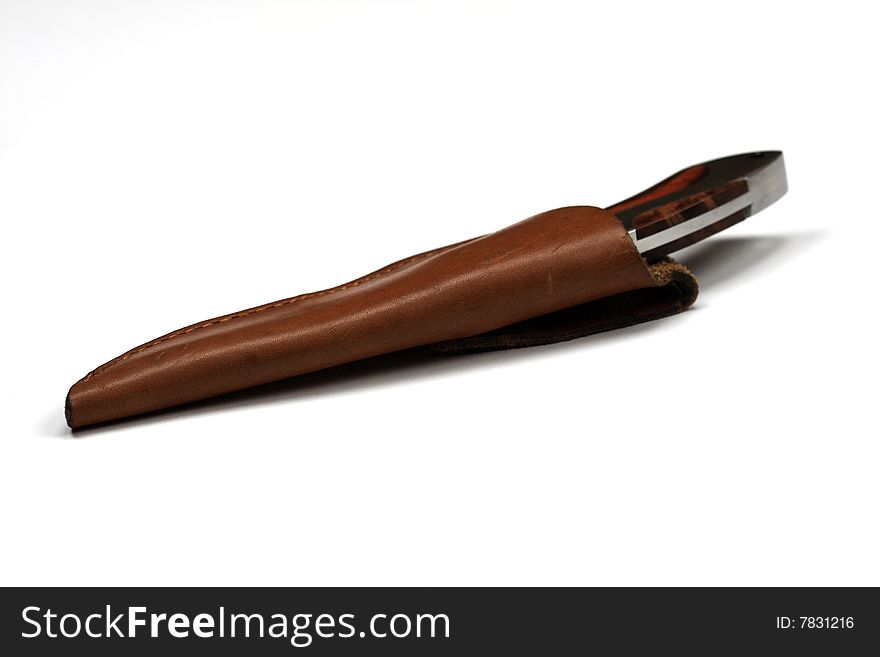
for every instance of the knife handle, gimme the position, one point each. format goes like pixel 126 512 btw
pixel 674 183
pixel 700 201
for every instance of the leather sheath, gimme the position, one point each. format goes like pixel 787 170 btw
pixel 555 276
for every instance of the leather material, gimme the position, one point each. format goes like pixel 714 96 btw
pixel 676 290
pixel 556 260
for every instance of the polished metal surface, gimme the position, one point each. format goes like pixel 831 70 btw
pixel 657 240
pixel 768 184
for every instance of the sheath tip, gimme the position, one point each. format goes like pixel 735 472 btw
pixel 72 408
pixel 67 410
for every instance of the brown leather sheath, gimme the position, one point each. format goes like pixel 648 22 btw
pixel 556 276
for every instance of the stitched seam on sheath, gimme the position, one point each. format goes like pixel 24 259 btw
pixel 253 311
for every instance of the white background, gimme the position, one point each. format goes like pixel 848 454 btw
pixel 164 162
